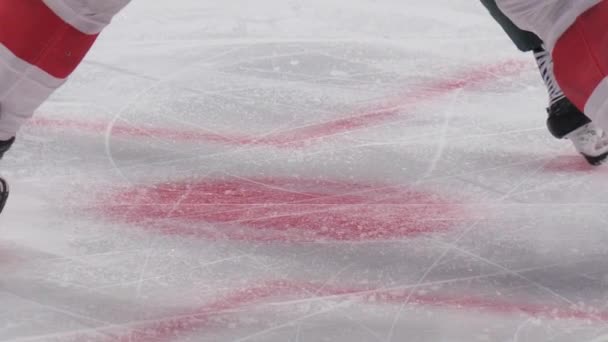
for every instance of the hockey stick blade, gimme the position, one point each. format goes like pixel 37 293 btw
pixel 3 193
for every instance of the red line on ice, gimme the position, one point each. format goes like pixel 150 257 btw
pixel 188 322
pixel 389 110
pixel 282 209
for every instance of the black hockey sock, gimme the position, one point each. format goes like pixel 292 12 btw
pixel 545 65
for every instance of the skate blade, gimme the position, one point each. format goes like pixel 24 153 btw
pixel 596 161
pixel 4 191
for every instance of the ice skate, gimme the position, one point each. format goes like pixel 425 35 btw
pixel 565 121
pixel 591 142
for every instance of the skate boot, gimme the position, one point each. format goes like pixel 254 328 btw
pixel 565 121
pixel 4 191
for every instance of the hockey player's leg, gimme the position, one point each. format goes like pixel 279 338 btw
pixel 575 33
pixel 41 43
pixel 564 119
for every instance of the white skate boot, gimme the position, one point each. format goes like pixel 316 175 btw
pixel 591 142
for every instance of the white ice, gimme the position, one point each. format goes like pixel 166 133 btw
pixel 217 170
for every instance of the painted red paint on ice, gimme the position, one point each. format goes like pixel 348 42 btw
pixel 290 210
pixel 189 322
pixel 569 164
pixel 389 110
pixel 131 131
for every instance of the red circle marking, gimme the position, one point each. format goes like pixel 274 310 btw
pixel 289 210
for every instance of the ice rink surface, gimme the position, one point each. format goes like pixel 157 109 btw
pixel 310 170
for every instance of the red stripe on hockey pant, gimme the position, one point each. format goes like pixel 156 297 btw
pixel 580 55
pixel 35 34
